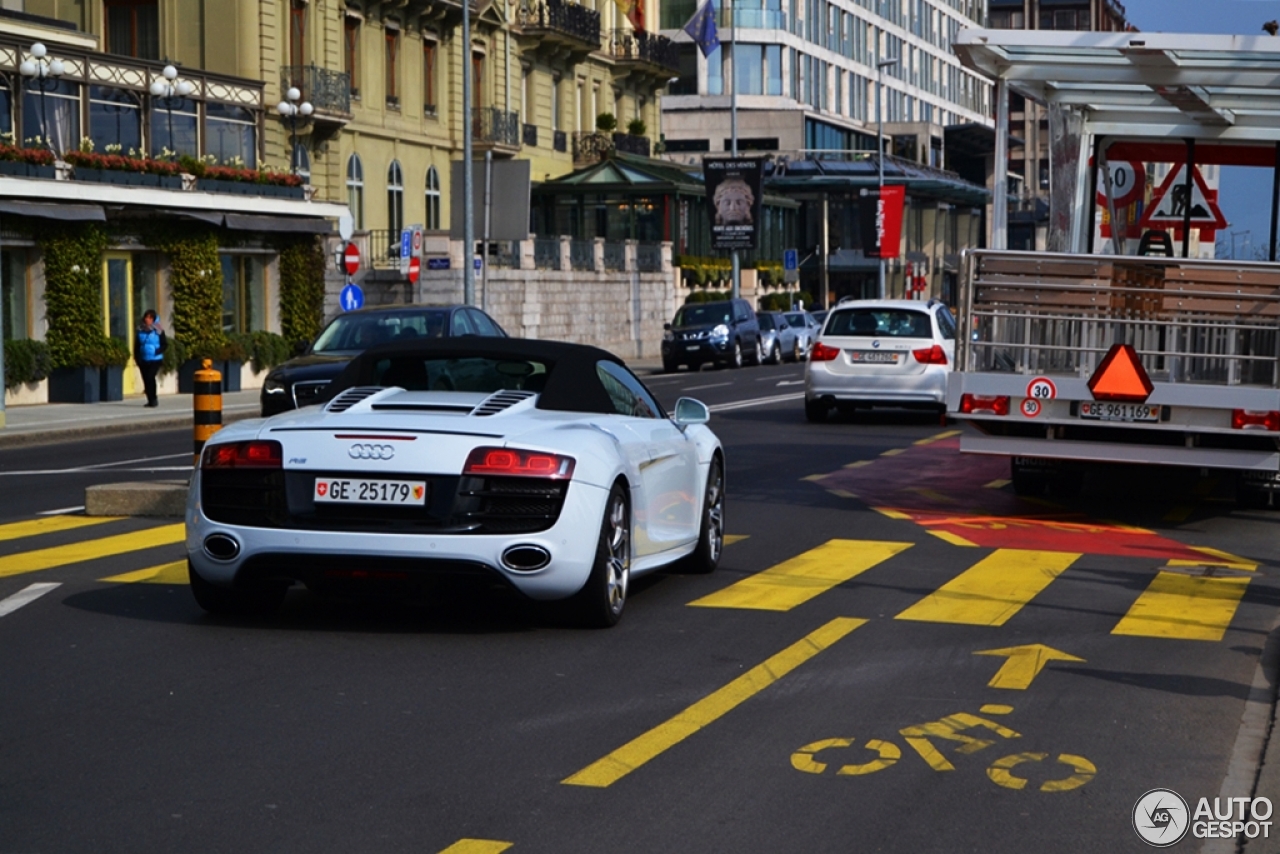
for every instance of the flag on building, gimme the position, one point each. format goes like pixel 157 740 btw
pixel 702 28
pixel 634 10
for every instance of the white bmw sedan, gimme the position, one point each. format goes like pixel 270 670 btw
pixel 880 353
pixel 543 466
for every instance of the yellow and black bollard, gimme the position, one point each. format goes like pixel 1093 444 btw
pixel 207 403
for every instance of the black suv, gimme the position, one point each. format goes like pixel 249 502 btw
pixel 301 381
pixel 722 332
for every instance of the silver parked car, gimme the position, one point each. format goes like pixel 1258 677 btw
pixel 807 328
pixel 778 340
pixel 881 353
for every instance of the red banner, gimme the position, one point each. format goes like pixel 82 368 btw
pixel 889 221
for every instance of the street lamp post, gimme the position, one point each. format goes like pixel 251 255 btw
pixel 291 109
pixel 43 73
pixel 167 90
pixel 880 67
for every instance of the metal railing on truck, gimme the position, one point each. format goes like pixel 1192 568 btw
pixel 1190 321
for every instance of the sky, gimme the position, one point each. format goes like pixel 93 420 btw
pixel 1244 197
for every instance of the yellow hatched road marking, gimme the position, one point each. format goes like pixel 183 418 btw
pixel 891 513
pixel 165 573
pixel 621 762
pixel 892 452
pixel 930 440
pixel 477 846
pixel 1221 558
pixel 730 539
pixel 35 561
pixel 1185 607
pixel 794 582
pixel 954 539
pixel 50 524
pixel 999 483
pixel 859 464
pixel 991 591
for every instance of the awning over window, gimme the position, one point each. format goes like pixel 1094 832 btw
pixel 62 211
pixel 297 225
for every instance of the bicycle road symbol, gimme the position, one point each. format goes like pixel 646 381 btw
pixel 950 728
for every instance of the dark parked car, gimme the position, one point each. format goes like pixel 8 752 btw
pixel 722 332
pixel 300 382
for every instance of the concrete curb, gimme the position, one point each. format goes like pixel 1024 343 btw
pixel 157 498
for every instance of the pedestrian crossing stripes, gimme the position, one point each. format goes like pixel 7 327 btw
pixel 50 525
pixel 1184 606
pixel 41 559
pixel 165 573
pixel 993 589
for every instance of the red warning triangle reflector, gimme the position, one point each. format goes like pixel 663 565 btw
pixel 1121 376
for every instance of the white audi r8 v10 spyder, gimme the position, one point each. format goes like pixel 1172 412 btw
pixel 545 466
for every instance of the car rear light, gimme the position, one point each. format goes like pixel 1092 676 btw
pixel 243 455
pixel 1251 419
pixel 509 462
pixel 822 353
pixel 994 404
pixel 935 355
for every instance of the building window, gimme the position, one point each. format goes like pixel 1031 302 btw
pixel 393 68
pixel 53 115
pixel 395 198
pixel 429 56
pixel 355 190
pixel 115 119
pixel 175 126
pixel 351 53
pixel 477 80
pixel 231 134
pixel 301 162
pixel 133 27
pixel 13 294
pixel 433 198
pixel 297 36
pixel 244 294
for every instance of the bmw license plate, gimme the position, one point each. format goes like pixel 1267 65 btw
pixel 873 356
pixel 335 490
pixel 1096 411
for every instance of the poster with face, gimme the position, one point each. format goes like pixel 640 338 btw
pixel 734 200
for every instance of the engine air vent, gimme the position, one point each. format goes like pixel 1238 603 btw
pixel 351 397
pixel 498 401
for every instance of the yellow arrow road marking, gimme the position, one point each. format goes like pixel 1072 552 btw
pixel 49 525
pixel 41 559
pixel 1024 664
pixel 805 576
pixel 635 753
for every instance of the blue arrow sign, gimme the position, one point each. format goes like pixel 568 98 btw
pixel 790 259
pixel 406 243
pixel 351 298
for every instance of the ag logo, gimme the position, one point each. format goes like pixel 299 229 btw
pixel 1161 818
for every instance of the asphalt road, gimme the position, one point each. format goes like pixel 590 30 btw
pixel 849 705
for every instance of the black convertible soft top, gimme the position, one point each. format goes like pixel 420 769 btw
pixel 573 384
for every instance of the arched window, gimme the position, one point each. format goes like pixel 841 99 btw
pixel 355 190
pixel 433 198
pixel 395 198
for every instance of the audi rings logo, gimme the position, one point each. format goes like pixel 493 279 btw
pixel 1160 817
pixel 361 451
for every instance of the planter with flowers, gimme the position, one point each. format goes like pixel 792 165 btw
pixel 235 178
pixel 115 167
pixel 26 162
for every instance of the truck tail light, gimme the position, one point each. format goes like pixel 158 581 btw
pixel 258 454
pixel 1251 419
pixel 509 462
pixel 935 355
pixel 822 353
pixel 992 404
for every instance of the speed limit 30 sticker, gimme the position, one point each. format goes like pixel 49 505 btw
pixel 1031 407
pixel 1042 388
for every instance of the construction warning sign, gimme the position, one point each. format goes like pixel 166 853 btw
pixel 1121 376
pixel 1172 201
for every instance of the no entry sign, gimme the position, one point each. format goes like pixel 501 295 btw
pixel 415 266
pixel 351 259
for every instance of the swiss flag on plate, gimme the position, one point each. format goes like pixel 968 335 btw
pixel 322 488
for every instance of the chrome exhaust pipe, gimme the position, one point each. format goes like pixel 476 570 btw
pixel 525 558
pixel 221 547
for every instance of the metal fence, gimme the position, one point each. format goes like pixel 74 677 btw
pixel 615 256
pixel 648 257
pixel 546 253
pixel 582 254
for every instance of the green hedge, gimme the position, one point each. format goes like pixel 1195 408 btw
pixel 301 290
pixel 73 294
pixel 261 349
pixel 195 281
pixel 784 301
pixel 26 362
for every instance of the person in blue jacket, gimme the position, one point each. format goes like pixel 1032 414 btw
pixel 149 353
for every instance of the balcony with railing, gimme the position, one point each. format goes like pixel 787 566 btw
pixel 559 26
pixel 646 52
pixel 328 91
pixel 592 147
pixel 494 129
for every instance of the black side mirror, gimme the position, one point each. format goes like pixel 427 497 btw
pixel 666 327
pixel 300 347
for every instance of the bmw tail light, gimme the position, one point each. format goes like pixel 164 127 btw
pixel 1250 419
pixel 934 355
pixel 976 404
pixel 510 462
pixel 243 455
pixel 822 353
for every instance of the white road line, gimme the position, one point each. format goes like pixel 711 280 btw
pixel 26 596
pixel 759 401
pixel 713 385
pixel 791 382
pixel 92 470
pixel 61 511
pixel 138 460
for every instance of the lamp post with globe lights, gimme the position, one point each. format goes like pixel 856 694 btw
pixel 291 109
pixel 168 90
pixel 43 73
